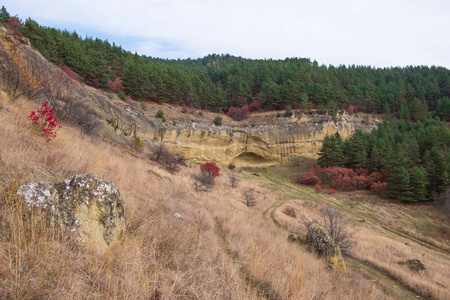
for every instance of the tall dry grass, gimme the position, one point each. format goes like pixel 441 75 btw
pixel 222 249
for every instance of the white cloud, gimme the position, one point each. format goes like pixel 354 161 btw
pixel 370 32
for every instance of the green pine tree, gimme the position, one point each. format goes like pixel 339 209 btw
pixel 419 182
pixel 400 185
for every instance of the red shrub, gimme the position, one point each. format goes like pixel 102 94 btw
pixel 70 73
pixel 332 191
pixel 115 86
pixel 95 82
pixel 379 188
pixel 318 188
pixel 359 182
pixel 211 168
pixel 238 113
pixel 254 106
pixel 13 22
pixel 308 178
pixel 45 121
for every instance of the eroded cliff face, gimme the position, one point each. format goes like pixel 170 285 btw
pixel 258 145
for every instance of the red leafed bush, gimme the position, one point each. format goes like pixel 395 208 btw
pixel 45 121
pixel 115 86
pixel 379 188
pixel 13 22
pixel 332 191
pixel 309 178
pixel 70 73
pixel 318 188
pixel 238 113
pixel 211 168
pixel 254 106
pixel 95 82
pixel 362 172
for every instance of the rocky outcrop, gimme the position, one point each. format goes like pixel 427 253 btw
pixel 320 242
pixel 86 204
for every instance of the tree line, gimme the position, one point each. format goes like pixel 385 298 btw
pixel 414 158
pixel 220 82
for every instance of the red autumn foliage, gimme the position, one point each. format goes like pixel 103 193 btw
pixel 379 188
pixel 45 121
pixel 95 82
pixel 70 73
pixel 318 188
pixel 341 178
pixel 351 109
pixel 254 106
pixel 115 87
pixel 332 191
pixel 13 22
pixel 238 113
pixel 211 168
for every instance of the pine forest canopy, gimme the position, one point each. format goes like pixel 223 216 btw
pixel 219 82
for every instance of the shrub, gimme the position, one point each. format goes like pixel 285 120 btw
pixel 115 87
pixel 288 112
pixel 332 191
pixel 249 197
pixel 211 168
pixel 238 113
pixel 289 211
pixel 217 120
pixel 170 162
pixel 122 95
pixel 379 188
pixel 45 121
pixel 278 115
pixel 138 143
pixel 338 228
pixel 234 179
pixel 318 188
pixel 231 166
pixel 184 110
pixel 159 150
pixel 180 158
pixel 160 114
pixel 203 182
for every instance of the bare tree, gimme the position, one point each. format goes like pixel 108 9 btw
pixel 170 162
pixel 249 197
pixel 234 179
pixel 203 182
pixel 338 228
pixel 159 151
pixel 336 225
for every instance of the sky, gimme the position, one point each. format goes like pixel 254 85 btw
pixel 379 33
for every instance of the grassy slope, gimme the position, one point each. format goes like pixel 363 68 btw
pixel 392 233
pixel 221 250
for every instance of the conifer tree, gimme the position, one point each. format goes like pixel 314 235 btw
pixel 400 185
pixel 419 182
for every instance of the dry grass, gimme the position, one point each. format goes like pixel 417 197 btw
pixel 222 249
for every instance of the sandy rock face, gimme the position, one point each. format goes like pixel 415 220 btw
pixel 88 204
pixel 320 242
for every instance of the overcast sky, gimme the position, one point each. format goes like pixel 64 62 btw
pixel 379 33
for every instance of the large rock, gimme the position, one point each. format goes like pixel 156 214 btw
pixel 87 204
pixel 320 242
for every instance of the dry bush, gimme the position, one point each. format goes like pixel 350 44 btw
pixel 170 162
pixel 158 151
pixel 290 211
pixel 249 197
pixel 234 179
pixel 203 182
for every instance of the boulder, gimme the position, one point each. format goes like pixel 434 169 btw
pixel 415 265
pixel 320 242
pixel 89 205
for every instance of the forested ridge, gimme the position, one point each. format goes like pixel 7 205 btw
pixel 220 82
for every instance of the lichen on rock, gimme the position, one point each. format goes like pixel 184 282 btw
pixel 87 204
